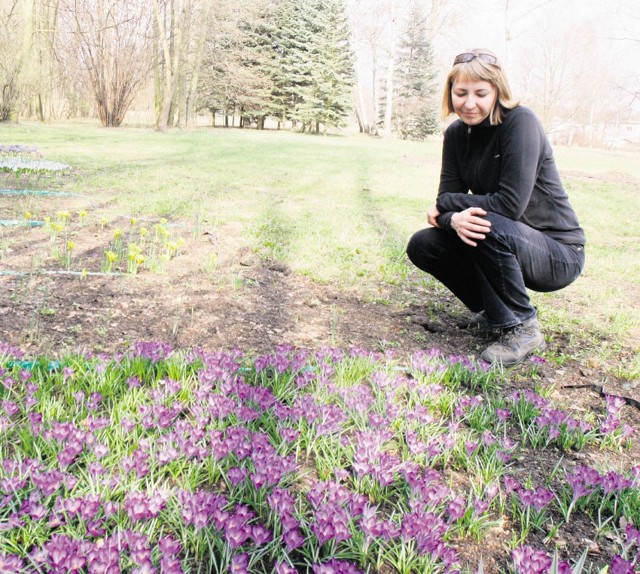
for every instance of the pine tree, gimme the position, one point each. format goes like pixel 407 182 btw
pixel 316 72
pixel 415 111
pixel 290 60
pixel 333 70
pixel 258 62
pixel 236 78
pixel 293 64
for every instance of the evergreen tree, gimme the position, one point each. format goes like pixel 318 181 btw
pixel 290 60
pixel 258 63
pixel 415 111
pixel 316 73
pixel 293 63
pixel 328 100
pixel 236 78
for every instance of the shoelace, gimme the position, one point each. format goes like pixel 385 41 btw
pixel 508 337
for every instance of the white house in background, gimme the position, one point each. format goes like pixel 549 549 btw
pixel 608 136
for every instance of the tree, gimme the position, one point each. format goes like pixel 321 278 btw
pixel 292 42
pixel 111 37
pixel 374 25
pixel 180 33
pixel 326 101
pixel 290 60
pixel 193 59
pixel 415 113
pixel 171 20
pixel 238 62
pixel 10 67
pixel 43 61
pixel 368 23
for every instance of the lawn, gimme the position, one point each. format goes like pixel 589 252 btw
pixel 338 209
pixel 332 458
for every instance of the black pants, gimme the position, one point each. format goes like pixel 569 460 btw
pixel 495 275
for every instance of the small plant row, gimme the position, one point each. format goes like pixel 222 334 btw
pixel 19 166
pixel 130 250
pixel 332 461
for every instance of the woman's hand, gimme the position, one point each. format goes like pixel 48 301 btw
pixel 470 225
pixel 432 216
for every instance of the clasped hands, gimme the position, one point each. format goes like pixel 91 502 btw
pixel 470 224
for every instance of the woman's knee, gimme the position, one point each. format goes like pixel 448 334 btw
pixel 500 237
pixel 419 244
pixel 427 245
pixel 499 223
pixel 414 245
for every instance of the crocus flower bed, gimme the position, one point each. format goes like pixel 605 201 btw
pixel 328 462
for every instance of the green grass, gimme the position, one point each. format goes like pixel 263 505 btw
pixel 341 208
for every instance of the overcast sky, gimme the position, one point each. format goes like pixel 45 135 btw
pixel 483 23
pixel 607 34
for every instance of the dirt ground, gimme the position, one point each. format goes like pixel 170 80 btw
pixel 240 301
pixel 247 302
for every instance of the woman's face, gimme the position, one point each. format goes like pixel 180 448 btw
pixel 472 100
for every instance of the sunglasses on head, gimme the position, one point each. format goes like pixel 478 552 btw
pixel 468 56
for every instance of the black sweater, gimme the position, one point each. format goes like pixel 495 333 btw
pixel 510 170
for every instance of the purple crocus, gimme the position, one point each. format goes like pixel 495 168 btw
pixel 582 481
pixel 239 564
pixel 334 566
pixel 537 498
pixel 11 408
pixel 614 482
pixel 456 508
pixel 284 568
pixel 237 531
pixel 632 534
pixel 11 563
pixel 503 414
pixel 139 506
pixel 470 447
pixel 331 523
pixel 293 539
pixel 48 482
pixel 260 535
pixel 154 351
pixel 480 506
pixel 621 566
pixel 281 500
pixel 528 560
pixel 614 404
pixel 236 475
pixel 289 434
pixel 169 546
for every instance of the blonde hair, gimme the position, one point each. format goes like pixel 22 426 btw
pixel 480 70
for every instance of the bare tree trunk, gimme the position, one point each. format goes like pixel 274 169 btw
pixel 180 99
pixel 361 110
pixel 375 92
pixel 46 26
pixel 197 62
pixel 507 32
pixel 388 112
pixel 171 61
pixel 24 76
